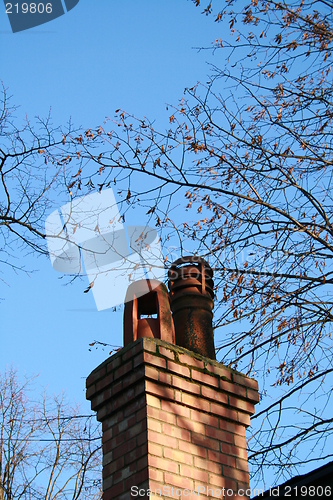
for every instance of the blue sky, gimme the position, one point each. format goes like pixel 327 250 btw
pixel 100 56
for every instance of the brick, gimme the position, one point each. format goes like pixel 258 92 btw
pixel 125 398
pixel 245 381
pixel 135 479
pixel 154 360
pixel 130 353
pixel 191 426
pixel 113 492
pixel 108 482
pixel 124 448
pixel 193 449
pixel 155 449
pixel 104 382
pixel 209 443
pixel 175 409
pixel 178 456
pixel 154 425
pixel 166 352
pixel 112 420
pixel 114 442
pixel 134 407
pixel 142 438
pixel 136 454
pixel 178 396
pixel 133 377
pixel 204 378
pixel 213 394
pixel 151 373
pixel 159 390
pixel 90 392
pixel 155 475
pixel 191 361
pixel 179 369
pixel 107 447
pixel 252 395
pixel 222 482
pixel 236 474
pixel 113 364
pixel 232 388
pixel 195 402
pixel 233 450
pixel 157 438
pixel 184 385
pixel 157 489
pixel 123 474
pixel 115 465
pixel 241 405
pixel 123 369
pixel 207 489
pixel 103 412
pixel 164 464
pixel 95 375
pixel 232 427
pixel 205 418
pixel 153 401
pixel 124 424
pixel 141 414
pixel 242 464
pixel 140 388
pixel 240 442
pixel 118 387
pixel 193 473
pixel 219 435
pixel 179 482
pixel 221 458
pixel 244 418
pixel 101 398
pixel 161 415
pixel 164 378
pixel 221 371
pixel 149 345
pixel 138 360
pixel 207 465
pixel 176 432
pixel 142 463
pixel 223 411
pixel 107 435
pixel 136 429
pixel 107 458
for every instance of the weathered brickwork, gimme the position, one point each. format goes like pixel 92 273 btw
pixel 171 418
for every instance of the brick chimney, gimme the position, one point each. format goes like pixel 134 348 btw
pixel 173 421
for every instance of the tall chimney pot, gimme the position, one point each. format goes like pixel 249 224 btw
pixel 191 294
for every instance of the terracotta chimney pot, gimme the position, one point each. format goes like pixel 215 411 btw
pixel 191 294
pixel 148 298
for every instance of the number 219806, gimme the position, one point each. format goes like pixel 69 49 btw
pixel 308 491
pixel 31 8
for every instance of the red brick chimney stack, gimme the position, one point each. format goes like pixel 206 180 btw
pixel 173 420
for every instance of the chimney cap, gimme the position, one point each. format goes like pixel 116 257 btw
pixel 192 273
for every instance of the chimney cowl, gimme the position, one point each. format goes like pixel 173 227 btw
pixel 145 299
